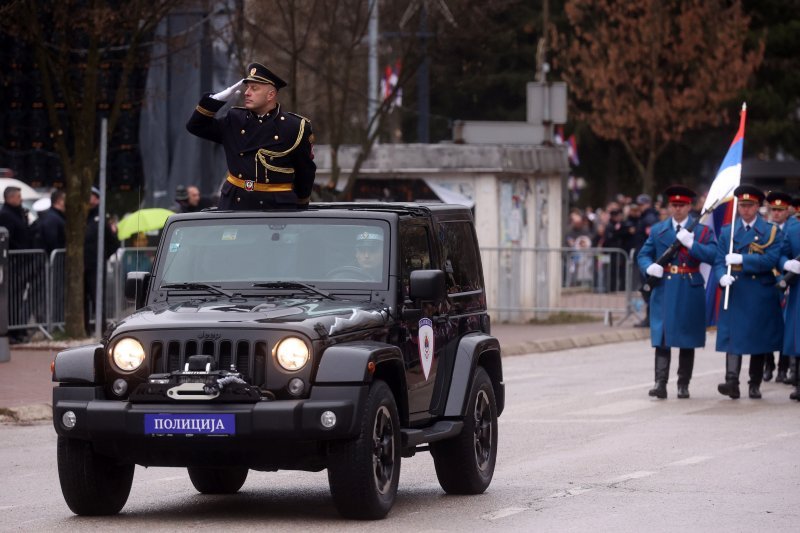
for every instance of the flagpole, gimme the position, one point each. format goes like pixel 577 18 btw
pixel 733 215
pixel 730 250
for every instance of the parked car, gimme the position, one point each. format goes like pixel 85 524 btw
pixel 344 337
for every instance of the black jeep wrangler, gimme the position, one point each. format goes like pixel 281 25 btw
pixel 343 337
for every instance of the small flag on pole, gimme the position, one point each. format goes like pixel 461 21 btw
pixel 728 178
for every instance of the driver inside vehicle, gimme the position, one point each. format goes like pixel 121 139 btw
pixel 369 253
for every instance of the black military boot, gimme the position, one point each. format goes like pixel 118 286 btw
pixel 769 368
pixel 685 367
pixel 733 365
pixel 794 367
pixel 756 373
pixel 662 374
pixel 783 366
pixel 791 374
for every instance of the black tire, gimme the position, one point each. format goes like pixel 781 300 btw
pixel 217 480
pixel 465 463
pixel 363 473
pixel 92 484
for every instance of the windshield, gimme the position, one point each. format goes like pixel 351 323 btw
pixel 265 253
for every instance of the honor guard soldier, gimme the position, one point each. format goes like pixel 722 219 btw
pixel 677 301
pixel 753 323
pixel 268 150
pixel 791 331
pixel 779 203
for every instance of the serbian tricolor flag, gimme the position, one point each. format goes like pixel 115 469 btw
pixel 721 192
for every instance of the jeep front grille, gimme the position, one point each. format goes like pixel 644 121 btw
pixel 248 357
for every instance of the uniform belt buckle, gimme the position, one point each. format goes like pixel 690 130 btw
pixel 249 185
pixel 673 269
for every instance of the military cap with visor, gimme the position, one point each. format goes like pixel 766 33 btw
pixel 368 239
pixel 679 194
pixel 258 73
pixel 749 193
pixel 779 200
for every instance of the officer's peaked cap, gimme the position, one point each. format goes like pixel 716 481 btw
pixel 258 73
pixel 779 200
pixel 369 238
pixel 749 193
pixel 679 194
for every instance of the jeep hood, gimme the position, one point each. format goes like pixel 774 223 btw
pixel 334 316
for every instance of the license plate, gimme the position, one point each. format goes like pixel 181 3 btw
pixel 189 424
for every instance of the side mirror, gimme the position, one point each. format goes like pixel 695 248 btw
pixel 136 287
pixel 427 285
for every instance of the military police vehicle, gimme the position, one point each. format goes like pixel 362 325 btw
pixel 343 337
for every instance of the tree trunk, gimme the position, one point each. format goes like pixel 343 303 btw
pixel 76 212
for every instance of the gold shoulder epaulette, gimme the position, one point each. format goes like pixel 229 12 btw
pixel 299 116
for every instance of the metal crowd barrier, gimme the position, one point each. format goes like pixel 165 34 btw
pixel 521 284
pixel 524 283
pixel 28 290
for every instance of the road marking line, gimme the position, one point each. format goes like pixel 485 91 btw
pixel 633 475
pixel 648 384
pixel 503 513
pixel 623 407
pixel 691 460
pixel 522 377
pixel 570 492
pixel 505 421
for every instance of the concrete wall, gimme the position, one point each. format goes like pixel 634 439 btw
pixel 519 203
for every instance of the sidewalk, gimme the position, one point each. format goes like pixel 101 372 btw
pixel 26 386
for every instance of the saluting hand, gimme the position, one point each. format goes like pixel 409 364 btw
pixel 792 265
pixel 655 270
pixel 733 259
pixel 230 92
pixel 726 280
pixel 686 237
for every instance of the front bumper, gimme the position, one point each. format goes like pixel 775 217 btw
pixel 100 419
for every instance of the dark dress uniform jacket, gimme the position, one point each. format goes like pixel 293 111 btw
pixel 15 220
pixel 790 250
pixel 753 323
pixel 270 159
pixel 677 303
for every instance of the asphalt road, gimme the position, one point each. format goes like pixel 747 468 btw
pixel 582 448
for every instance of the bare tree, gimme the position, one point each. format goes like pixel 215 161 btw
pixel 644 73
pixel 73 42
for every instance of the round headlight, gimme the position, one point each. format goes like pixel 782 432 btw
pixel 292 353
pixel 128 354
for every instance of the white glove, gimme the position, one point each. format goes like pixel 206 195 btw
pixel 230 92
pixel 726 280
pixel 792 265
pixel 733 259
pixel 655 270
pixel 686 238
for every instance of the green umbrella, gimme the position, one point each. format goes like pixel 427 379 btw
pixel 142 220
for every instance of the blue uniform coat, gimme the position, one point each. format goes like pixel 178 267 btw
pixel 790 250
pixel 677 303
pixel 753 323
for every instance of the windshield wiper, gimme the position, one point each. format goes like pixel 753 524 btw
pixel 194 286
pixel 294 285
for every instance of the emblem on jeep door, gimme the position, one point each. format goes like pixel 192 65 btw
pixel 426 345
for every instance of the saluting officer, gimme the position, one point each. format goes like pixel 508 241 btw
pixel 677 303
pixel 791 330
pixel 268 150
pixel 753 323
pixel 779 203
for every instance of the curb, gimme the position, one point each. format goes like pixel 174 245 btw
pixel 37 412
pixel 579 341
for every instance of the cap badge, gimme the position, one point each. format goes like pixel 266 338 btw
pixel 253 71
pixel 248 185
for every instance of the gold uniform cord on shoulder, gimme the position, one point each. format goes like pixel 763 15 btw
pixel 263 153
pixel 759 248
